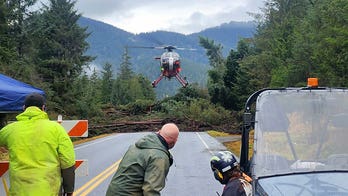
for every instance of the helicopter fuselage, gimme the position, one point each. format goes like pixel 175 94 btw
pixel 170 64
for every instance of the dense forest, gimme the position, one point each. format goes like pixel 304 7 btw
pixel 295 39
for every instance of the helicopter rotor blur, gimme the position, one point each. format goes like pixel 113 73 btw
pixel 170 63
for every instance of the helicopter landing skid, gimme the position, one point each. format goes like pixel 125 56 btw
pixel 183 82
pixel 155 82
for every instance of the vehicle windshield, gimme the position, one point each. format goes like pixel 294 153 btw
pixel 300 131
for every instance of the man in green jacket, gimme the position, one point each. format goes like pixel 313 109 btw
pixel 41 152
pixel 145 165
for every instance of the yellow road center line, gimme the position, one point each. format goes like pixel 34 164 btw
pixel 5 186
pixel 98 182
pixel 97 177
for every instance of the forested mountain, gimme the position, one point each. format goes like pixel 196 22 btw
pixel 50 49
pixel 107 44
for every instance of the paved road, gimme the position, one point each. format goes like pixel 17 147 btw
pixel 189 175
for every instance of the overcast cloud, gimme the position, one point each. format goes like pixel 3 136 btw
pixel 183 16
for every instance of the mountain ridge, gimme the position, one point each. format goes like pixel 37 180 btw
pixel 107 44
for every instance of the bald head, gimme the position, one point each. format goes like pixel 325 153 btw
pixel 170 133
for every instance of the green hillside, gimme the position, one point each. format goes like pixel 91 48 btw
pixel 107 45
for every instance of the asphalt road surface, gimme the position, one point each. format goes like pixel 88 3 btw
pixel 190 173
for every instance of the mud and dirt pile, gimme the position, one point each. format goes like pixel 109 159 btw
pixel 118 121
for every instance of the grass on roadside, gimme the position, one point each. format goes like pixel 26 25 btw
pixel 234 146
pixel 217 133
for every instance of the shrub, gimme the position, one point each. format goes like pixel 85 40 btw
pixel 140 106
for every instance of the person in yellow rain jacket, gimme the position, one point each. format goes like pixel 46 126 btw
pixel 42 157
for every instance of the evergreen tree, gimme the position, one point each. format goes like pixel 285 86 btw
pixel 15 42
pixel 146 87
pixel 60 49
pixel 134 90
pixel 129 87
pixel 216 60
pixel 87 96
pixel 300 39
pixel 125 67
pixel 232 66
pixel 230 80
pixel 321 47
pixel 107 81
pixel 120 91
pixel 274 42
pixel 213 51
pixel 18 13
pixel 6 48
pixel 242 84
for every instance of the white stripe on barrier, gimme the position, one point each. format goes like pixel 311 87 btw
pixel 76 128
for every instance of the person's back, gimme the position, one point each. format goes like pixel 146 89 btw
pixel 237 186
pixel 38 150
pixel 226 170
pixel 131 178
pixel 145 166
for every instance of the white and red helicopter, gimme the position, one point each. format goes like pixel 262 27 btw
pixel 169 64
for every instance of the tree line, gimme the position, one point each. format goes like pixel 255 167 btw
pixel 294 40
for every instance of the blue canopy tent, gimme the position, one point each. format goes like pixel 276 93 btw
pixel 13 93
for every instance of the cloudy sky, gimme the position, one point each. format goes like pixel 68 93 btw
pixel 183 16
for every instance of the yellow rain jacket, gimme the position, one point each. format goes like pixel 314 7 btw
pixel 38 149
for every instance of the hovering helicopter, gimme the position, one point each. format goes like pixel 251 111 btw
pixel 169 64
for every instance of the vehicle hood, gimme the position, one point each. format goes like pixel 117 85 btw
pixel 313 184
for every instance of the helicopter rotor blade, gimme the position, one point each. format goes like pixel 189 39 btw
pixel 148 47
pixel 169 47
pixel 191 49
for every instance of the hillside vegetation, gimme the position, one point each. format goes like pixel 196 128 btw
pixel 107 44
pixel 293 40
